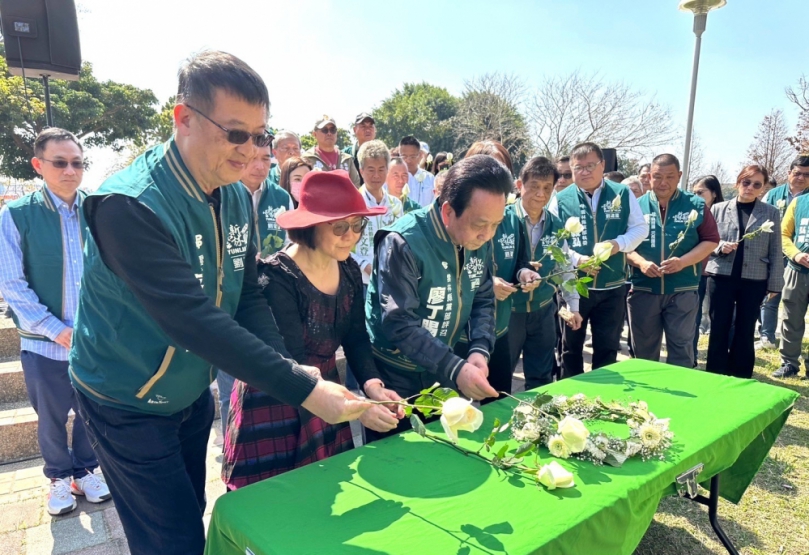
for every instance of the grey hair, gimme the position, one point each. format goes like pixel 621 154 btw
pixel 397 161
pixel 633 179
pixel 283 136
pixel 373 150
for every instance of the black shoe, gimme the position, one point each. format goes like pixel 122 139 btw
pixel 786 371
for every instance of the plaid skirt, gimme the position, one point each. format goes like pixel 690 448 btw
pixel 266 437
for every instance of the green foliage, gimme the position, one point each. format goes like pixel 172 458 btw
pixel 418 109
pixel 433 397
pixel 101 114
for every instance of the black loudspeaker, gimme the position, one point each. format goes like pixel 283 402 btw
pixel 610 160
pixel 42 37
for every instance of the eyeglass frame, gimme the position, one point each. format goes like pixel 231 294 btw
pixel 363 223
pixel 72 163
pixel 260 141
pixel 589 168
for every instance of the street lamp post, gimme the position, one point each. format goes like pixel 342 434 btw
pixel 700 9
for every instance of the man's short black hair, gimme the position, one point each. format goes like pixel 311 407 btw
pixel 538 167
pixel 304 236
pixel 583 149
pixel 800 160
pixel 476 172
pixel 204 73
pixel 615 176
pixel 54 134
pixel 563 160
pixel 665 160
pixel 410 140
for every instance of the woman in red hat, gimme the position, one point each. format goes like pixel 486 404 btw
pixel 314 288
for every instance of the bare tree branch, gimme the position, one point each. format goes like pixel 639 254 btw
pixel 567 110
pixel 770 147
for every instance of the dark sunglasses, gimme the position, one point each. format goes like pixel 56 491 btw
pixel 62 164
pixel 747 183
pixel 567 175
pixel 237 136
pixel 329 130
pixel 341 228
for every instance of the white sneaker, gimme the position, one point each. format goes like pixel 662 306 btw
pixel 92 488
pixel 60 501
pixel 765 343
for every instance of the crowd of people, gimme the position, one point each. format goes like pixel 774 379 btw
pixel 230 254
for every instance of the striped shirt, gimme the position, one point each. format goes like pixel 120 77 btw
pixel 32 315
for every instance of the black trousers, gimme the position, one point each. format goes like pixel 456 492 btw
pixel 736 356
pixel 605 310
pixel 500 370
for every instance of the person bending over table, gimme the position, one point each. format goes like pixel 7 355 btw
pixel 169 293
pixel 432 278
pixel 314 289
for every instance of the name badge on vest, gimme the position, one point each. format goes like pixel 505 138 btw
pixel 507 245
pixel 236 244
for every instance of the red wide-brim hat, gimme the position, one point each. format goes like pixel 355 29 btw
pixel 327 197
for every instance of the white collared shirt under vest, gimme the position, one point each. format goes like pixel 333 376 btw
pixel 364 249
pixel 422 187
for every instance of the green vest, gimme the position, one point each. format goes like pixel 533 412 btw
pixel 408 205
pixel 779 197
pixel 662 233
pixel 603 224
pixel 39 224
pixel 542 295
pixel 446 289
pixel 275 175
pixel 273 201
pixel 801 234
pixel 120 356
pixel 505 249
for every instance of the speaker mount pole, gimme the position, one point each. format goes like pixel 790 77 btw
pixel 48 113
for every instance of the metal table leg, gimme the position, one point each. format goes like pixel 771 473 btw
pixel 712 503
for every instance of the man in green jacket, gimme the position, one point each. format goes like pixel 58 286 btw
pixel 609 213
pixel 432 278
pixel 667 265
pixel 170 293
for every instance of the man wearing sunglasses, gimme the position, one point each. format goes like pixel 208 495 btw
pixel 170 293
pixel 364 130
pixel 780 197
pixel 325 156
pixel 565 174
pixel 41 237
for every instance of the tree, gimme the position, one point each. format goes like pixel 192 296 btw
pixel 800 98
pixel 489 109
pixel 101 114
pixel 565 111
pixel 771 148
pixel 418 109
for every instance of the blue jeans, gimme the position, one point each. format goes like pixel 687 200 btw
pixel 52 396
pixel 225 383
pixel 769 317
pixel 155 468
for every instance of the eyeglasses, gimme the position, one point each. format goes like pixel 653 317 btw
pixel 237 136
pixel 341 228
pixel 586 169
pixel 329 130
pixel 567 175
pixel 800 175
pixel 756 185
pixel 62 164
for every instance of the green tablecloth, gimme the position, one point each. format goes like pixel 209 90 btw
pixel 409 495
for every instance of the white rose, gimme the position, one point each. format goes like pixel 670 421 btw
pixel 406 190
pixel 558 447
pixel 616 204
pixel 420 176
pixel 692 217
pixel 429 159
pixel 766 227
pixel 459 414
pixel 602 251
pixel 781 204
pixel 553 476
pixel 574 432
pixel 573 226
pixel 449 157
pixel 511 199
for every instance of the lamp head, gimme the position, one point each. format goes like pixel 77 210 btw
pixel 698 7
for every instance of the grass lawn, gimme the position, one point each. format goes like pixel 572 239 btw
pixel 773 515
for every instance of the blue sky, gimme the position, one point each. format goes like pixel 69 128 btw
pixel 343 57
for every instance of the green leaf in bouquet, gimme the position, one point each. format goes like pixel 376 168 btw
pixel 541 399
pixel 418 425
pixel 558 255
pixel 557 279
pixel 587 279
pixel 503 450
pixel 581 288
pixel 569 286
pixel 444 393
pixel 408 410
